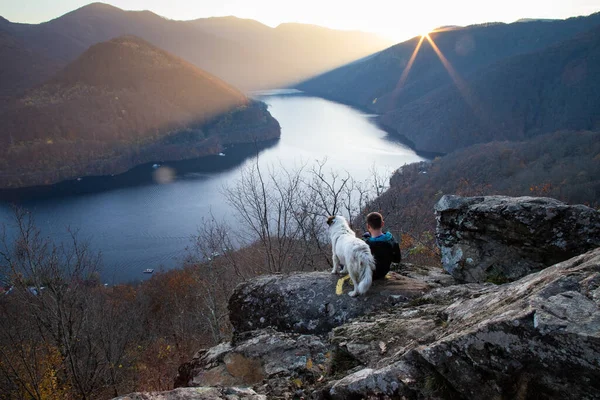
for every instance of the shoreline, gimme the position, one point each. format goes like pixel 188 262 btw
pixel 100 183
pixel 138 175
pixel 430 155
pixel 249 124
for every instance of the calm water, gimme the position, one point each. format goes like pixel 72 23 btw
pixel 138 224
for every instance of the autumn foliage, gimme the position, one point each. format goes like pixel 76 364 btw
pixel 123 102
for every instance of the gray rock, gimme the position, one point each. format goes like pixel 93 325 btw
pixel 308 303
pixel 391 382
pixel 501 239
pixel 538 337
pixel 433 276
pixel 256 357
pixel 197 393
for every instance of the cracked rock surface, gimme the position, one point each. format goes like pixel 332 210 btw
pixel 538 337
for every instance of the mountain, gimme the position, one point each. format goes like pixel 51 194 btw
pixel 520 97
pixel 21 66
pixel 65 38
pixel 301 48
pixel 123 102
pixel 375 83
pixel 245 53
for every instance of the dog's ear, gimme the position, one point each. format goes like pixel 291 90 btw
pixel 330 220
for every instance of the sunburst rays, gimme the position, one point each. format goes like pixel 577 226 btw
pixel 408 67
pixel 464 90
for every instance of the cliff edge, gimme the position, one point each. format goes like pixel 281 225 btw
pixel 417 335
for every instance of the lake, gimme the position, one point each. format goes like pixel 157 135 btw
pixel 137 223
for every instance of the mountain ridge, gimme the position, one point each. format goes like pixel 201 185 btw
pixel 269 62
pixel 373 84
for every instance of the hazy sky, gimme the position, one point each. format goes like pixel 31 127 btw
pixel 397 19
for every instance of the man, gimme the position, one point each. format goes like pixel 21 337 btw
pixel 384 247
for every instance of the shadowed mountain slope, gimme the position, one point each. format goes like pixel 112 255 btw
pixel 500 82
pixel 21 67
pixel 524 96
pixel 375 82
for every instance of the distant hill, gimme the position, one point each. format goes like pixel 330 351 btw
pixel 21 67
pixel 520 97
pixel 303 49
pixel 122 103
pixel 374 83
pixel 245 53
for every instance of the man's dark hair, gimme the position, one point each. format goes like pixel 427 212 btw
pixel 375 220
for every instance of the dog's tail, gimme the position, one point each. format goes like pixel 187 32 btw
pixel 367 263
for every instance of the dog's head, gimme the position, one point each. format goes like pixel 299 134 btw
pixel 336 220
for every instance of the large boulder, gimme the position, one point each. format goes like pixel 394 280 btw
pixel 538 337
pixel 198 393
pixel 501 239
pixel 312 302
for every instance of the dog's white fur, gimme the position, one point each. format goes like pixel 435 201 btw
pixel 351 252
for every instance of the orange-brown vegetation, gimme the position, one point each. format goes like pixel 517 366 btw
pixel 122 103
pixel 65 335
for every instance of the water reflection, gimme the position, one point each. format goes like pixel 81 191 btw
pixel 137 223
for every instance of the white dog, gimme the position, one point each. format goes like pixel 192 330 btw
pixel 352 253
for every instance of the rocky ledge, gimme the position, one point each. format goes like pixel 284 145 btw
pixel 538 337
pixel 500 239
pixel 316 302
pixel 418 335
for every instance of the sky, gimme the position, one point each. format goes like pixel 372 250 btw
pixel 395 19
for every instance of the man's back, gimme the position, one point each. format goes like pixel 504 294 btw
pixel 386 250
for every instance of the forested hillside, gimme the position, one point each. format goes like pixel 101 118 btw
pixel 374 83
pixel 523 96
pixel 122 103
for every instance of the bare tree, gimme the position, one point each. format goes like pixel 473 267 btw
pixel 267 205
pixel 217 269
pixel 285 211
pixel 65 323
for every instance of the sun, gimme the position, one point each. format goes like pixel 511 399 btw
pixel 425 33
